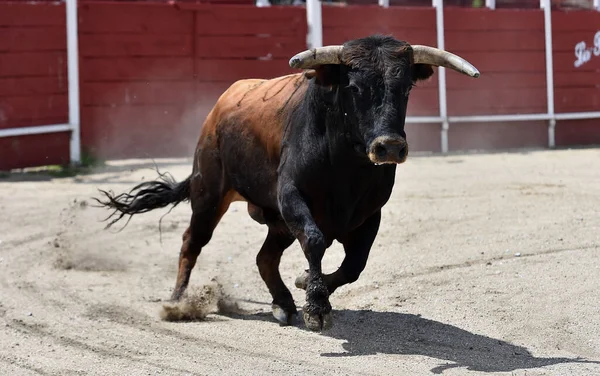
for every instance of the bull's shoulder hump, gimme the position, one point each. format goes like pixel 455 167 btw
pixel 261 95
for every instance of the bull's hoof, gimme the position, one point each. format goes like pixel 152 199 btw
pixel 285 318
pixel 317 323
pixel 302 280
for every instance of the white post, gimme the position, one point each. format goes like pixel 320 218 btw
pixel 315 23
pixel 263 3
pixel 490 4
pixel 384 3
pixel 545 4
pixel 597 4
pixel 439 20
pixel 73 75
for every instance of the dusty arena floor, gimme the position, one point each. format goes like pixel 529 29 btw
pixel 484 264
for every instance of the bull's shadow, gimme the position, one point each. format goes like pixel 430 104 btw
pixel 371 332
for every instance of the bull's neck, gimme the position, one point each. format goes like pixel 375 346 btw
pixel 330 121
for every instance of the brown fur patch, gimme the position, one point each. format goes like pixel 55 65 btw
pixel 256 107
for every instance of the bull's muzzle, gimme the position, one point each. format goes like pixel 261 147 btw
pixel 386 149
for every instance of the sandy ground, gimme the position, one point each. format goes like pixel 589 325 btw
pixel 484 264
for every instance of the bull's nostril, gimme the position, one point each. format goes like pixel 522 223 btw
pixel 402 152
pixel 380 151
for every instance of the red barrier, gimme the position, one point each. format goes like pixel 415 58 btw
pixel 150 76
pixel 33 82
pixel 150 72
pixel 507 46
pixel 576 40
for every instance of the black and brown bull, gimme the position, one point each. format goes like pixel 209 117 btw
pixel 314 155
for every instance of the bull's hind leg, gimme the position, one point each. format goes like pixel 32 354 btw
pixel 357 246
pixel 197 235
pixel 207 209
pixel 284 308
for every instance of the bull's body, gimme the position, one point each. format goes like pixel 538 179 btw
pixel 304 152
pixel 246 131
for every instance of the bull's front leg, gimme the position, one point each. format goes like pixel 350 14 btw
pixel 297 215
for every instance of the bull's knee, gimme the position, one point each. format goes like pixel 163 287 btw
pixel 313 245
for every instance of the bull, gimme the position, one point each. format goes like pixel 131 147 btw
pixel 313 154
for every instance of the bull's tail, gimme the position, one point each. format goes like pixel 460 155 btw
pixel 145 197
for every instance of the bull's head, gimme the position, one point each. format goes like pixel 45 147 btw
pixel 371 78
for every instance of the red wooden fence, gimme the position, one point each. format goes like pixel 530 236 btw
pixel 150 72
pixel 33 82
pixel 508 46
pixel 576 88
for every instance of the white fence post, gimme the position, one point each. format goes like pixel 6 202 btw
pixel 384 3
pixel 490 4
pixel 263 3
pixel 546 6
pixel 315 23
pixel 439 21
pixel 73 75
pixel 597 4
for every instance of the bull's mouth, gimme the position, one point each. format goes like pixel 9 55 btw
pixel 376 161
pixel 385 150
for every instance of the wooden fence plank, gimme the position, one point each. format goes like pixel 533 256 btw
pixel 136 68
pixel 32 14
pixel 139 18
pixel 135 93
pixel 23 64
pixel 221 47
pixel 33 110
pixel 244 21
pixel 17 39
pixel 121 45
pixel 16 152
pixel 498 19
pixel 490 136
pixel 231 70
pixel 26 86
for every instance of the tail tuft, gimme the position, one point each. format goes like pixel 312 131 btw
pixel 145 197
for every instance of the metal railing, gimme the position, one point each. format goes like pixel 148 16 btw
pixel 73 78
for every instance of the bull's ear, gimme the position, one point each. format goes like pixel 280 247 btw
pixel 327 75
pixel 421 72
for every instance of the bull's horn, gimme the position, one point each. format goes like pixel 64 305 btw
pixel 317 56
pixel 434 56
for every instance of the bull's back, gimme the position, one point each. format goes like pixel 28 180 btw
pixel 257 108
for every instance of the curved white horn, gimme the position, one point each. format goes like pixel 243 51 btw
pixel 441 58
pixel 317 56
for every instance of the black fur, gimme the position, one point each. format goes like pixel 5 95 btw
pixel 146 196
